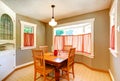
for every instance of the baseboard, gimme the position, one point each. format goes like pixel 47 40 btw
pixel 23 65
pixel 8 75
pixel 18 67
pixel 92 67
pixel 111 75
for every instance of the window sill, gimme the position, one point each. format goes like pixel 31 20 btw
pixel 85 54
pixel 24 48
pixel 113 52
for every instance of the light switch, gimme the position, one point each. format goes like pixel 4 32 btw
pixel 118 28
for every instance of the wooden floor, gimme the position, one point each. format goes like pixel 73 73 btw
pixel 82 73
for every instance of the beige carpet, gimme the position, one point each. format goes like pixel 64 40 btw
pixel 82 73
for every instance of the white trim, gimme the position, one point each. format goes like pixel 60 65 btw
pixel 31 47
pixel 22 65
pixel 113 13
pixel 19 66
pixel 76 22
pixel 113 8
pixel 113 52
pixel 111 75
pixel 92 44
pixel 22 36
pixel 91 20
pixel 6 10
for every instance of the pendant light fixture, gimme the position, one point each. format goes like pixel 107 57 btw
pixel 52 22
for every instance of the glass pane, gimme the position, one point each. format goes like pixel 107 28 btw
pixel 59 32
pixel 88 29
pixel 6 27
pixel 78 31
pixel 28 29
pixel 69 32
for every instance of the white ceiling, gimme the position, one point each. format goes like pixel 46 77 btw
pixel 41 9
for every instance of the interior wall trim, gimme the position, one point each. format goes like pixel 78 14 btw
pixel 17 68
pixel 111 75
pixel 93 68
pixel 23 65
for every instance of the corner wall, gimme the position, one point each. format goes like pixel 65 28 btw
pixel 101 39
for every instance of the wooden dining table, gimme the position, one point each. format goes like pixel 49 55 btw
pixel 57 61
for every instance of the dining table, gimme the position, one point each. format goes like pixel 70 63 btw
pixel 57 61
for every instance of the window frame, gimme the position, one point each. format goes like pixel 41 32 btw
pixel 91 20
pixel 6 41
pixel 7 28
pixel 113 12
pixel 23 24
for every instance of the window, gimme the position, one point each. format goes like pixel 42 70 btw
pixel 113 29
pixel 28 35
pixel 6 27
pixel 79 35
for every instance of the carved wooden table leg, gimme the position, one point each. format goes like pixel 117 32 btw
pixel 57 74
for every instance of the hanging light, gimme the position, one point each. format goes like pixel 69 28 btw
pixel 52 22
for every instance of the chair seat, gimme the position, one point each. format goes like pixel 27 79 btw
pixel 48 69
pixel 64 68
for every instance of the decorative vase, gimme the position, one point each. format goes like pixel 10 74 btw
pixel 55 52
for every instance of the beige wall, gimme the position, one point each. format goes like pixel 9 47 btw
pixel 24 56
pixel 101 39
pixel 49 35
pixel 115 61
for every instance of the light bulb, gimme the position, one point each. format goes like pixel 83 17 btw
pixel 52 22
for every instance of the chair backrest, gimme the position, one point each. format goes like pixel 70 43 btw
pixel 67 48
pixel 39 62
pixel 71 56
pixel 44 48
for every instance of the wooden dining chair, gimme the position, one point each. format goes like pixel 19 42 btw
pixel 44 48
pixel 66 48
pixel 70 64
pixel 39 65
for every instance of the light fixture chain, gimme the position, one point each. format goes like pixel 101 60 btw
pixel 53 10
pixel 52 22
pixel 53 13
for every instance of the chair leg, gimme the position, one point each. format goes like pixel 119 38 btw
pixel 35 76
pixel 68 75
pixel 73 71
pixel 44 77
pixel 62 72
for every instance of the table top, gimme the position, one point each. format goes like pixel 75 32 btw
pixel 58 59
